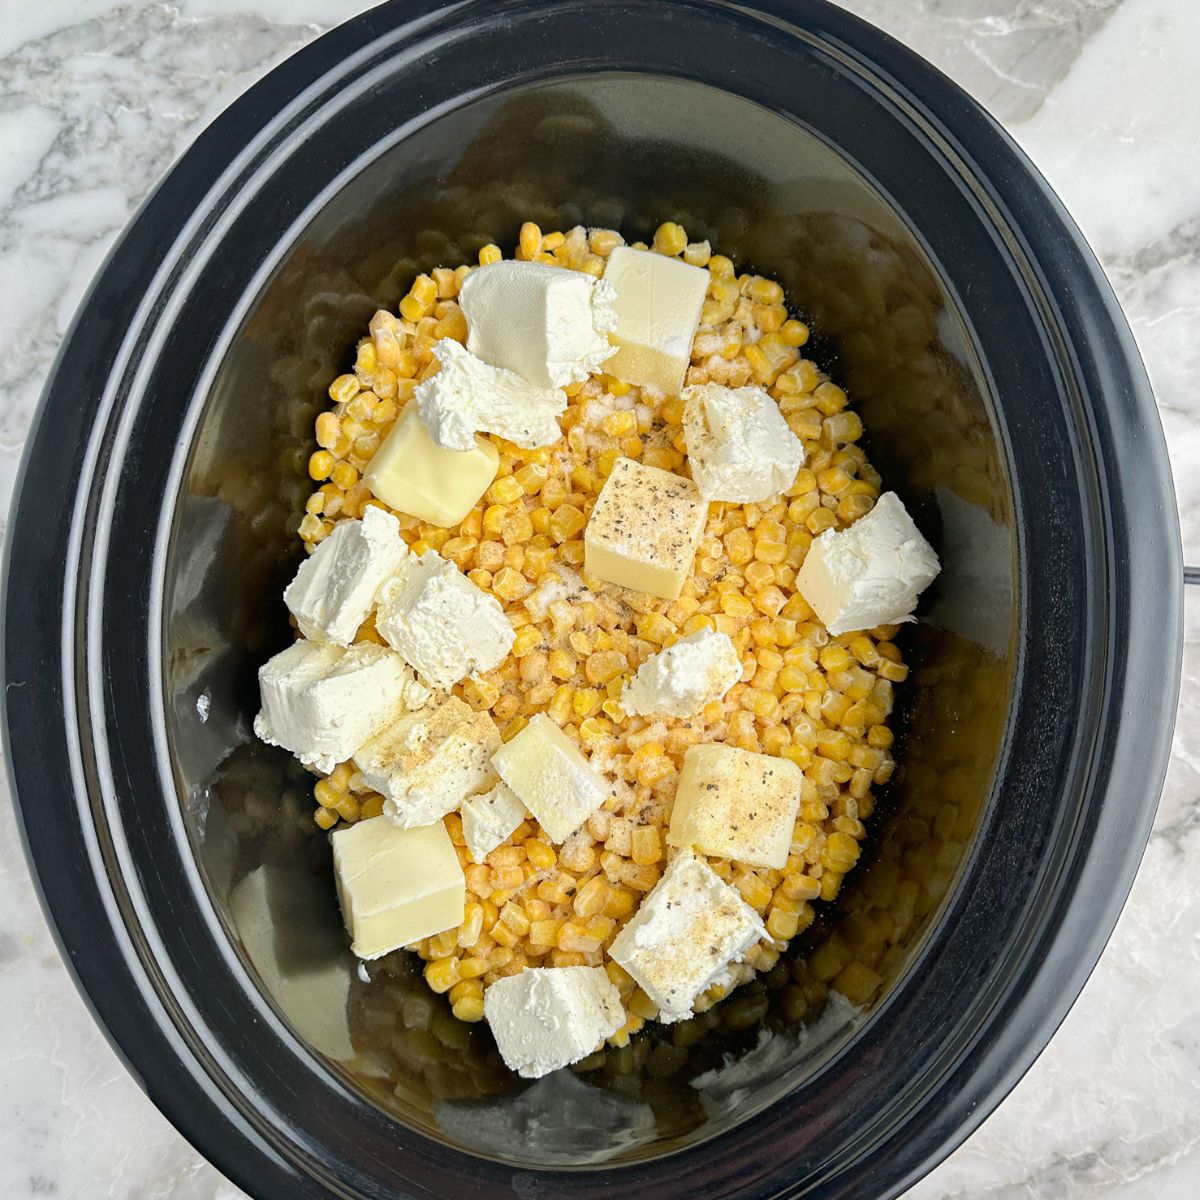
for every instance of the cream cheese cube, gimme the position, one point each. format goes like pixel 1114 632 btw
pixel 734 803
pixel 644 529
pixel 680 680
pixel 428 762
pixel 322 702
pixel 544 1018
pixel 396 885
pixel 490 819
pixel 690 927
pixel 467 396
pixel 739 446
pixel 657 305
pixel 411 473
pixel 870 574
pixel 546 323
pixel 335 587
pixel 551 777
pixel 444 626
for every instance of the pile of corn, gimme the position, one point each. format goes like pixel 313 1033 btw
pixel 821 701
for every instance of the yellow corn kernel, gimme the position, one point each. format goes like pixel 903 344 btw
pixel 619 424
pixel 654 627
pixel 320 464
pixel 468 1009
pixel 528 638
pixel 794 332
pixel 782 924
pixel 491 253
pixel 530 477
pixel 670 238
pixel 464 988
pixel 841 852
pixel 566 521
pixel 530 241
pixel 510 585
pixel 585 701
pixel 591 898
pixel 442 974
pixel 411 308
pixel 605 665
pixel 830 398
pixel 739 546
pixel 646 845
pixel 754 889
pixel 506 490
pixel 734 604
pixel 540 854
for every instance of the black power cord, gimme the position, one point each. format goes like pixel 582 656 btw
pixel 1191 575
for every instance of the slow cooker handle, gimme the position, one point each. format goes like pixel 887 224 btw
pixel 1191 575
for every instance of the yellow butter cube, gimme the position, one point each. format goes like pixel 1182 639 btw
pixel 413 474
pixel 551 777
pixel 644 529
pixel 657 305
pixel 396 885
pixel 736 804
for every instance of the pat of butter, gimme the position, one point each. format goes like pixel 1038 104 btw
pixel 644 529
pixel 737 804
pixel 551 777
pixel 657 304
pixel 411 473
pixel 396 885
pixel 428 762
pixel 871 573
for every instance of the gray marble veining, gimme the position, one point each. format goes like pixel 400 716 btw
pixel 98 97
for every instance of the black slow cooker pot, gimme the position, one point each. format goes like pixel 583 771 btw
pixel 154 529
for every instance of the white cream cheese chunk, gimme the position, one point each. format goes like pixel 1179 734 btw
pixel 444 626
pixel 548 324
pixel 690 927
pixel 870 574
pixel 551 777
pixel 549 1017
pixel 322 702
pixel 739 446
pixel 396 885
pixel 680 680
pixel 490 819
pixel 428 762
pixel 644 529
pixel 335 587
pixel 657 305
pixel 734 803
pixel 468 396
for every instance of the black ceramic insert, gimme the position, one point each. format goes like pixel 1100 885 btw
pixel 1004 401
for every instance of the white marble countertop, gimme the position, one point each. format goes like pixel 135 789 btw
pixel 97 97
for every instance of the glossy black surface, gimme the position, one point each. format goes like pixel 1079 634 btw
pixel 1003 398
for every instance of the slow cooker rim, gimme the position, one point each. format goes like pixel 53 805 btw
pixel 834 21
